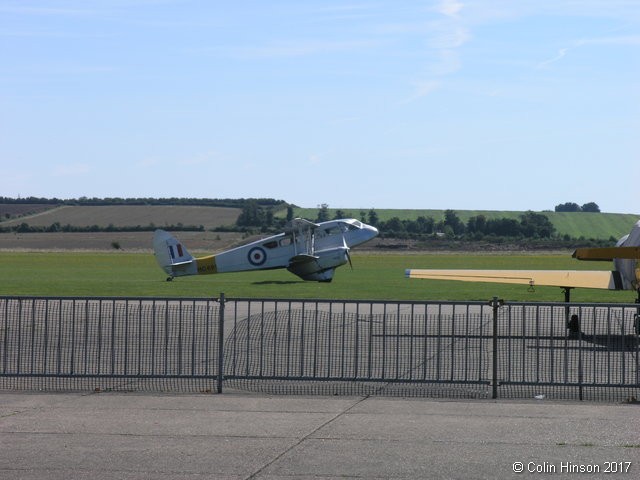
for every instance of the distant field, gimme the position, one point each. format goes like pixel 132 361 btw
pixel 578 224
pixel 207 242
pixel 588 225
pixel 132 215
pixel 374 276
pixel 13 209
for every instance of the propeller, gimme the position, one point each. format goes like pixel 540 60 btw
pixel 346 251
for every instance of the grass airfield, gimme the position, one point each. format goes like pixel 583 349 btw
pixel 375 276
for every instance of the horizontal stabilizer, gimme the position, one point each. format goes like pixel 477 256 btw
pixel 607 253
pixel 553 278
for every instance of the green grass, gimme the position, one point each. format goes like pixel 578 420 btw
pixel 375 276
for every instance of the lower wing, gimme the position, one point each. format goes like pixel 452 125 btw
pixel 554 278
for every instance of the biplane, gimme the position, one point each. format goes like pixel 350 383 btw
pixel 624 276
pixel 312 251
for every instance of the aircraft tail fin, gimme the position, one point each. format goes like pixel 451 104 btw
pixel 171 255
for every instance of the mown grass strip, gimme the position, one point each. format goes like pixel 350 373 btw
pixel 375 276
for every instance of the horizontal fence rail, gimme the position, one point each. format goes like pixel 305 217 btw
pixel 446 349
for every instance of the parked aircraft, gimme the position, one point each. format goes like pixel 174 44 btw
pixel 625 274
pixel 309 250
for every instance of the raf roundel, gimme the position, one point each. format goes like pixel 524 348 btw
pixel 257 256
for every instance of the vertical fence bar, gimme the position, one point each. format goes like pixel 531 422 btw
pixel 274 354
pixel 221 343
pixel 5 352
pixel 495 303
pixel 356 343
pixel 19 338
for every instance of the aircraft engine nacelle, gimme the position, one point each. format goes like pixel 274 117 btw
pixel 321 268
pixel 333 258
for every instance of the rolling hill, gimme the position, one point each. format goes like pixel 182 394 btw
pixel 576 225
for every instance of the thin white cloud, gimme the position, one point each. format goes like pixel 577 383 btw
pixel 450 8
pixel 448 34
pixel 315 159
pixel 147 163
pixel 71 170
pixel 445 35
pixel 288 49
pixel 422 88
pixel 205 158
pixel 561 54
pixel 623 41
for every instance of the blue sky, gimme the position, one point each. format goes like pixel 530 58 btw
pixel 486 104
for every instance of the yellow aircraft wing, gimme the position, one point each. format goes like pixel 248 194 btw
pixel 607 253
pixel 553 278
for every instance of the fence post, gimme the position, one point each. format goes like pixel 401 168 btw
pixel 221 343
pixel 495 303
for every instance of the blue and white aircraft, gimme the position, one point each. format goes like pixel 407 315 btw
pixel 312 251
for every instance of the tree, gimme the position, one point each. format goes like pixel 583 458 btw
pixel 503 227
pixel 568 207
pixel 323 213
pixel 536 225
pixel 477 224
pixel 251 216
pixel 394 225
pixel 591 207
pixel 373 218
pixel 422 225
pixel 451 219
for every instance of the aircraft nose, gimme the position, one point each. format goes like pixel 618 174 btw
pixel 373 230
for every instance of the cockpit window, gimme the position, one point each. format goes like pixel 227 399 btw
pixel 353 225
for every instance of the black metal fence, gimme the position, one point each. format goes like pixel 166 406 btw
pixel 464 350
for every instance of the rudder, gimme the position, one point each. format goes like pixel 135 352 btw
pixel 171 255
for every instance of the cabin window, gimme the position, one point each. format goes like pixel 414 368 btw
pixel 332 230
pixel 271 244
pixel 285 241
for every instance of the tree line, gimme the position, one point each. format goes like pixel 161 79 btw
pixel 529 225
pixel 201 202
pixel 258 214
pixel 67 228
pixel 574 207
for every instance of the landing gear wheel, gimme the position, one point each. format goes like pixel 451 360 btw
pixel 169 279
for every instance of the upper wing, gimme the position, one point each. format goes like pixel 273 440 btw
pixel 554 278
pixel 298 224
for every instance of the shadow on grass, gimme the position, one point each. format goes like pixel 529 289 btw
pixel 278 282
